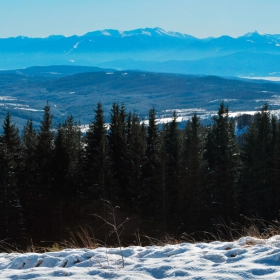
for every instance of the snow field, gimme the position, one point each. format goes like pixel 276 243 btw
pixel 246 258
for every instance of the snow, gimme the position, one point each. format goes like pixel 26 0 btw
pixel 146 33
pixel 235 114
pixel 7 98
pixel 105 33
pixel 76 45
pixel 191 110
pixel 266 78
pixel 224 99
pixel 140 31
pixel 28 109
pixel 246 258
pixel 250 34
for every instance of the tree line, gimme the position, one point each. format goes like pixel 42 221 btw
pixel 52 179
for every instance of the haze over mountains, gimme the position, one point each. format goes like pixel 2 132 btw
pixel 149 49
pixel 142 68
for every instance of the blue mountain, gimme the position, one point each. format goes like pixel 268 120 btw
pixel 152 49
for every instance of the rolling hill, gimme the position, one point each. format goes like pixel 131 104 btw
pixel 71 90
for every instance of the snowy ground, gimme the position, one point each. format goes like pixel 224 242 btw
pixel 246 258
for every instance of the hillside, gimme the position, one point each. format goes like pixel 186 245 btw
pixel 71 90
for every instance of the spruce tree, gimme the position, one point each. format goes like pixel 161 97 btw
pixel 65 190
pixel 28 179
pixel 223 159
pixel 151 199
pixel 170 175
pixel 274 179
pixel 96 162
pixel 44 152
pixel 11 218
pixel 193 193
pixel 250 179
pixel 45 147
pixel 118 153
pixel 259 153
pixel 136 154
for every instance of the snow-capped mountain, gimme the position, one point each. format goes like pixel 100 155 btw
pixel 152 49
pixel 152 32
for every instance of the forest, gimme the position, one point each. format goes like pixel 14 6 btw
pixel 55 178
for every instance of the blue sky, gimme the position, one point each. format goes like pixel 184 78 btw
pixel 200 18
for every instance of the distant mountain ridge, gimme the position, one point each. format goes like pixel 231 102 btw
pixel 167 51
pixel 155 32
pixel 74 90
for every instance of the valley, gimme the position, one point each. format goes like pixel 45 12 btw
pixel 76 90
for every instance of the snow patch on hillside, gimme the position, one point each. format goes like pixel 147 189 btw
pixel 266 78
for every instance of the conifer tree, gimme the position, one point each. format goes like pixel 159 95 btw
pixel 11 219
pixel 169 180
pixel 28 180
pixel 250 171
pixel 45 147
pixel 258 156
pixel 151 199
pixel 118 152
pixel 67 147
pixel 193 194
pixel 274 178
pixel 136 154
pixel 65 189
pixel 44 152
pixel 96 155
pixel 223 158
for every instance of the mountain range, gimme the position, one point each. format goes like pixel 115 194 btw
pixel 149 49
pixel 76 90
pixel 141 68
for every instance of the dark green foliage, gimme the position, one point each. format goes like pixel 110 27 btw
pixel 243 120
pixel 53 180
pixel 118 153
pixel 28 175
pixel 136 139
pixel 151 170
pixel 194 198
pixel 96 160
pixel 274 178
pixel 260 154
pixel 223 161
pixel 45 148
pixel 169 165
pixel 66 172
pixel 44 201
pixel 11 220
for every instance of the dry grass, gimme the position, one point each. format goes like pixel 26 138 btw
pixel 84 236
pixel 161 241
pixel 253 227
pixel 8 247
